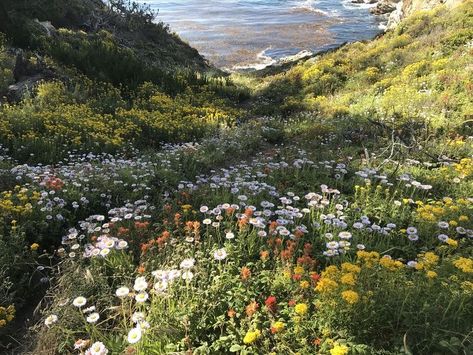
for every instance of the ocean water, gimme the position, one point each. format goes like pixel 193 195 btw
pixel 238 34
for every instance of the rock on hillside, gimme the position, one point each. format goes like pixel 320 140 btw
pixel 396 10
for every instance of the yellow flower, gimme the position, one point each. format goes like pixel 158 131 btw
pixel 350 296
pixel 428 260
pixel 34 246
pixel 339 350
pixel 251 336
pixel 463 218
pixel 326 285
pixel 304 284
pixel 369 258
pixel 330 271
pixel 301 309
pixel 464 264
pixel 452 242
pixel 391 264
pixel 6 315
pixel 286 274
pixel 431 274
pixel 298 270
pixel 467 286
pixel 349 267
pixel 453 223
pixel 348 279
pixel 277 327
pixel 419 266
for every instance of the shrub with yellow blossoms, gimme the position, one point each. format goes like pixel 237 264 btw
pixel 339 350
pixel 464 264
pixel 7 314
pixel 301 309
pixel 251 336
pixel 350 296
pixel 17 202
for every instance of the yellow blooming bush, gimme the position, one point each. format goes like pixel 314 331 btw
pixel 251 336
pixel 7 314
pixel 464 264
pixel 18 202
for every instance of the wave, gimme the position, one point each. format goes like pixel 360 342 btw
pixel 263 61
pixel 310 5
pixel 349 5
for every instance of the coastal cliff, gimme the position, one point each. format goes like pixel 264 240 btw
pixel 397 10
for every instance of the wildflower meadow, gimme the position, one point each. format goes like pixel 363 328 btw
pixel 345 227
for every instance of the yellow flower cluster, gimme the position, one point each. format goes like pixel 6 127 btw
pixel 251 336
pixel 427 261
pixel 447 207
pixel 348 279
pixel 278 326
pixel 339 350
pixel 369 258
pixel 326 285
pixel 301 309
pixel 350 296
pixel 391 264
pixel 345 277
pixel 464 168
pixel 349 267
pixel 6 315
pixel 464 264
pixel 18 202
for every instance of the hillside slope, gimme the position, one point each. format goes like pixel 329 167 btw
pixel 330 214
pixel 131 26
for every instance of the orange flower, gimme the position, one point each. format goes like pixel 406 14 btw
pixel 264 255
pixel 231 313
pixel 273 226
pixel 251 308
pixel 271 303
pixel 298 233
pixel 307 249
pixel 141 225
pixel 245 273
pixel 249 212
pixel 122 230
pixel 141 269
pixel 242 222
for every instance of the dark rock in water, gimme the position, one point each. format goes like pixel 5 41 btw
pixel 384 7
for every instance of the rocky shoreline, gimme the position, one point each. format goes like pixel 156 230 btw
pixel 396 10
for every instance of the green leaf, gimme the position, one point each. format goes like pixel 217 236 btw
pixel 235 348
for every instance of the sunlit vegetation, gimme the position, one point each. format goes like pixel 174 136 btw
pixel 326 209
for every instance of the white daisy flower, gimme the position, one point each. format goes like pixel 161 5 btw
pixel 122 291
pixel 50 320
pixel 93 317
pixel 79 301
pixel 134 335
pixel 220 254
